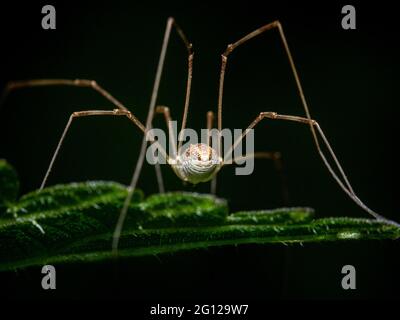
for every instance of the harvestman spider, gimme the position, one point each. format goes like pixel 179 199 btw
pixel 201 162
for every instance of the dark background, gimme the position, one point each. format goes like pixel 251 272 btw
pixel 350 81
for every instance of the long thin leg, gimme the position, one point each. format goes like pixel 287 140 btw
pixel 231 47
pixel 13 85
pixel 188 82
pixel 348 190
pixel 346 186
pixel 159 177
pixel 153 100
pixel 276 157
pixel 210 124
pixel 164 110
pixel 86 113
pixel 78 114
pixel 167 116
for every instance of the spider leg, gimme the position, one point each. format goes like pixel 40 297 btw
pixel 314 127
pixel 153 100
pixel 13 85
pixel 86 113
pixel 210 125
pixel 167 116
pixel 79 114
pixel 231 47
pixel 345 184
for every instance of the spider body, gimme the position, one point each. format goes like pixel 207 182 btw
pixel 197 163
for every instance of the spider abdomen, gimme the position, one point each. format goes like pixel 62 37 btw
pixel 198 163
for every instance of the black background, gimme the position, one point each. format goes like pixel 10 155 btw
pixel 350 81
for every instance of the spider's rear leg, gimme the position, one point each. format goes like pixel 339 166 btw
pixel 13 85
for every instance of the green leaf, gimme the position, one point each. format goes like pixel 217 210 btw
pixel 75 222
pixel 276 216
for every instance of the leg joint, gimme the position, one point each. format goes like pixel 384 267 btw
pixel 229 49
pixel 162 109
pixel 120 112
pixel 277 24
pixel 271 115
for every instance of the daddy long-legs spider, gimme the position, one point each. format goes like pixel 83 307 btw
pixel 202 162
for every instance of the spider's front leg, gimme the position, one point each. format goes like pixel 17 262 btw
pixel 115 112
pixel 275 156
pixel 344 184
pixel 79 114
pixel 171 23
